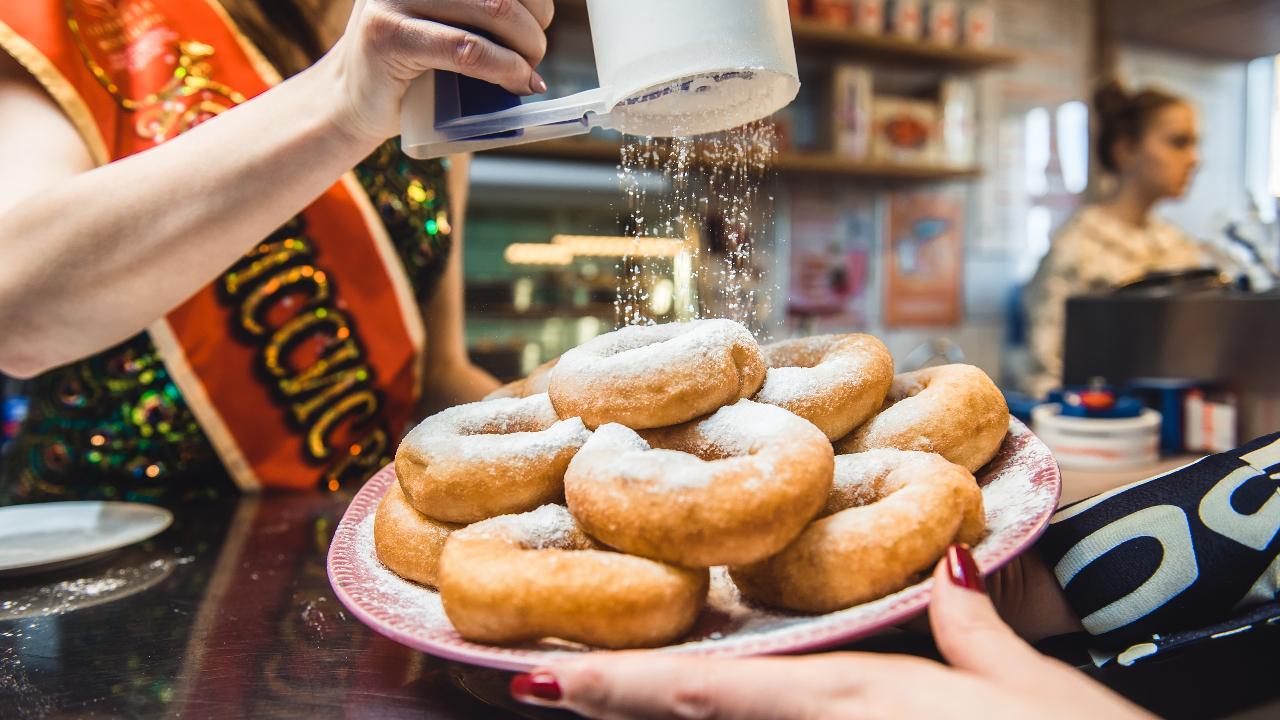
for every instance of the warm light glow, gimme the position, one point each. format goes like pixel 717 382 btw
pixel 522 294
pixel 530 357
pixel 587 328
pixel 683 287
pixel 662 298
pixel 1275 132
pixel 1073 145
pixel 564 248
pixel 609 246
pixel 416 192
pixel 1037 149
pixel 537 254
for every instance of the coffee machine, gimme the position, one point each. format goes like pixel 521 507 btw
pixel 1216 337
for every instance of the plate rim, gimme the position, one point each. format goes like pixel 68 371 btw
pixel 86 553
pixel 365 502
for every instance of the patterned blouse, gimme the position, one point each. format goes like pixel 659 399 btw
pixel 1095 251
pixel 115 426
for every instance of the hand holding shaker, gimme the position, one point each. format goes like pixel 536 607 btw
pixel 666 67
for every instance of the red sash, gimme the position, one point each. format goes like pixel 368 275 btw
pixel 303 362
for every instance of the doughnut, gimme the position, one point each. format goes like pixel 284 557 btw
pixel 493 457
pixel 649 376
pixel 952 410
pixel 533 384
pixel 520 578
pixel 890 515
pixel 406 541
pixel 731 488
pixel 835 382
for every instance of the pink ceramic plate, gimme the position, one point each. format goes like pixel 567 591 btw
pixel 1020 488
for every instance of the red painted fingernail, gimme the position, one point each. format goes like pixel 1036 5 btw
pixel 963 570
pixel 542 686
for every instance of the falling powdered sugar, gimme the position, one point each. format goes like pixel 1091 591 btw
pixel 713 200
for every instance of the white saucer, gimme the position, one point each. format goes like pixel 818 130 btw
pixel 47 536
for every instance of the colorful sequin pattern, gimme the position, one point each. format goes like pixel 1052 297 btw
pixel 115 426
pixel 411 198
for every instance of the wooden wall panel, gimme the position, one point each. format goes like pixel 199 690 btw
pixel 1239 29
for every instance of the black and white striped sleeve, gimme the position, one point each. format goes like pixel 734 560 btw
pixel 1180 558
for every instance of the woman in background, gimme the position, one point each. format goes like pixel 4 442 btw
pixel 1148 140
pixel 145 147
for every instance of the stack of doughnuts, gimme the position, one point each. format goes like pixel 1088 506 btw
pixel 588 501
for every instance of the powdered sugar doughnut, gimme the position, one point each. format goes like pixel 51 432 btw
pixel 533 384
pixel 834 381
pixel 406 541
pixel 654 376
pixel 524 577
pixel 890 516
pixel 475 461
pixel 953 410
pixel 734 487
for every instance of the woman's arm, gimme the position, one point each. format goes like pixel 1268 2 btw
pixel 91 258
pixel 451 379
pixel 31 162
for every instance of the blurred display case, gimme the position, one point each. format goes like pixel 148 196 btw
pixel 547 250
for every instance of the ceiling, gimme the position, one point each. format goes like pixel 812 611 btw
pixel 1240 29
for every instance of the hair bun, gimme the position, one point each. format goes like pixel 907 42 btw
pixel 1124 115
pixel 1112 99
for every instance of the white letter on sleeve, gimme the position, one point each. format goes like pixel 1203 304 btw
pixel 1256 530
pixel 1167 525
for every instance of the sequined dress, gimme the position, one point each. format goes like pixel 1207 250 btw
pixel 115 426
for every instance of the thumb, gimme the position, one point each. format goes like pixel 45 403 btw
pixel 969 633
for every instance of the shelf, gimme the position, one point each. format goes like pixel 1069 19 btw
pixel 813 33
pixel 794 163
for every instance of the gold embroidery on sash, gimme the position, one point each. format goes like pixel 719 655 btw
pixel 332 387
pixel 135 34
